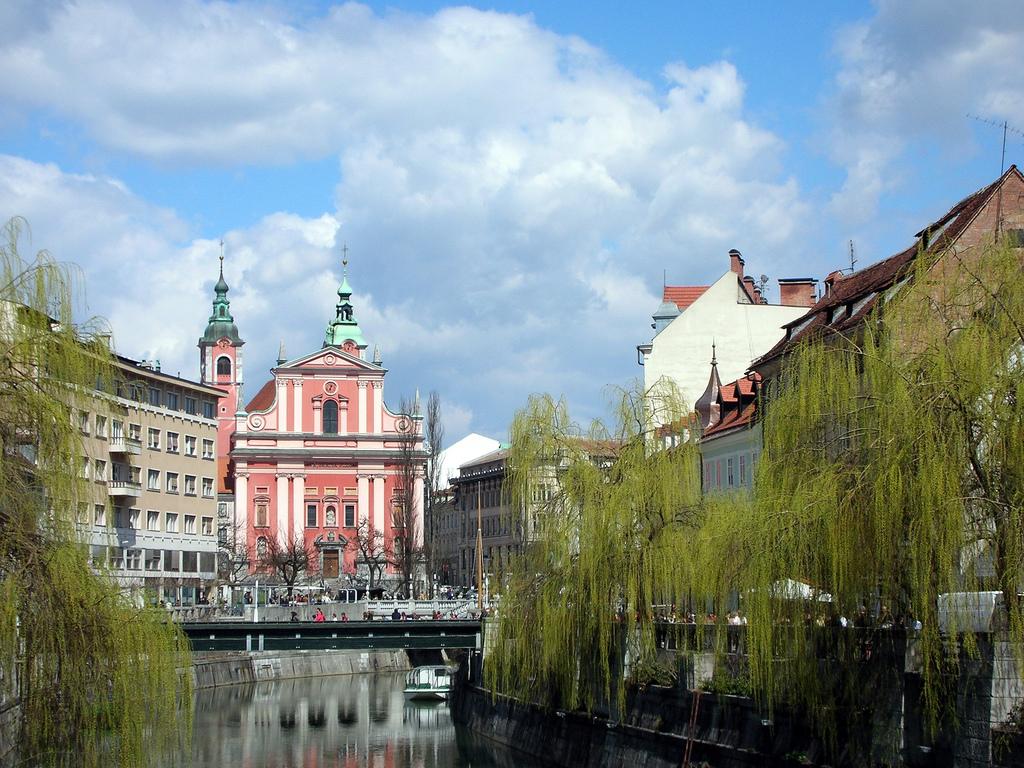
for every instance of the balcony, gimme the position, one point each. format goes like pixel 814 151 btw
pixel 119 489
pixel 126 445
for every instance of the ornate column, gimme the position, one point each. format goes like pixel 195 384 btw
pixel 362 407
pixel 298 504
pixel 378 504
pixel 378 407
pixel 282 406
pixel 363 498
pixel 318 418
pixel 297 405
pixel 283 533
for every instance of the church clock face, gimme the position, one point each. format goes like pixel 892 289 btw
pixel 349 347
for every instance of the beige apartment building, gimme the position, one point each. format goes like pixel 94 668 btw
pixel 150 517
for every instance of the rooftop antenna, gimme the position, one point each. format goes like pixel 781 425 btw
pixel 761 287
pixel 853 259
pixel 1006 128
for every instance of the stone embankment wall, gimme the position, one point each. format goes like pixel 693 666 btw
pixel 881 724
pixel 210 671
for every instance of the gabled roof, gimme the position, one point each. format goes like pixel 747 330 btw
pixel 683 295
pixel 859 290
pixel 263 399
pixel 343 359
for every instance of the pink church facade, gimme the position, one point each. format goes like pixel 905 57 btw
pixel 316 452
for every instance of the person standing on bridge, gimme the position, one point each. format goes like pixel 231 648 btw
pixel 319 616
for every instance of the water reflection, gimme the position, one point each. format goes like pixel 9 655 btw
pixel 360 721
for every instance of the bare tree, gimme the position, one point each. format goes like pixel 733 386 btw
pixel 434 434
pixel 405 523
pixel 288 561
pixel 371 552
pixel 233 558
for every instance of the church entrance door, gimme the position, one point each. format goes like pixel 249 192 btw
pixel 331 564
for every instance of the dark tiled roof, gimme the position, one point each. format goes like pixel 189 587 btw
pixel 683 295
pixel 263 399
pixel 850 290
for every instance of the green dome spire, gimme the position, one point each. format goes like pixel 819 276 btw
pixel 221 324
pixel 344 327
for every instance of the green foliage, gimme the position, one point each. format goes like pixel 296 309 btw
pixel 891 472
pixel 608 518
pixel 95 676
pixel 727 684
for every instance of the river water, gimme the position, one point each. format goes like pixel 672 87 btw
pixel 346 721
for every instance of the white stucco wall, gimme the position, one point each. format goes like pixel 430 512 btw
pixel 742 332
pixel 468 448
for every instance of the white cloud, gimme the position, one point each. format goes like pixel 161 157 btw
pixel 912 73
pixel 510 195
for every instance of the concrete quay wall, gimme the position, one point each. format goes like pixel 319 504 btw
pixel 211 671
pixel 881 725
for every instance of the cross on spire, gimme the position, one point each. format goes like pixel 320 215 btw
pixel 344 258
pixel 222 257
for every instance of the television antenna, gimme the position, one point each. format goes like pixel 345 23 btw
pixel 1006 128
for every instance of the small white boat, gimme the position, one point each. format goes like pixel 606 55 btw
pixel 431 683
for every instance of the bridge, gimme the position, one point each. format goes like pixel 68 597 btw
pixel 332 635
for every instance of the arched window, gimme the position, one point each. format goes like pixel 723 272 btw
pixel 223 366
pixel 331 417
pixel 261 547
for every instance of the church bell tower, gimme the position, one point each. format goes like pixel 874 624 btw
pixel 220 362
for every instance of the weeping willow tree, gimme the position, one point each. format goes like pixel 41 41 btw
pixel 608 518
pixel 94 675
pixel 892 472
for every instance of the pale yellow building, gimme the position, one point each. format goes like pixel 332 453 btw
pixel 150 456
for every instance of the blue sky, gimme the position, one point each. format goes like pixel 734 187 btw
pixel 511 179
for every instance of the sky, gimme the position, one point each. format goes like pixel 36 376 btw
pixel 513 181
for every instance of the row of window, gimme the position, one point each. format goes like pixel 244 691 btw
pixel 733 472
pixel 171 444
pixel 133 559
pixel 165 522
pixel 172 402
pixel 171 483
pixel 261 519
pixel 99 470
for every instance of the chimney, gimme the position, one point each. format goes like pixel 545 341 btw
pixel 736 262
pixel 830 281
pixel 797 291
pixel 748 283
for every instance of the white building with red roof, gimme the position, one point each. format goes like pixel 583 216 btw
pixel 731 314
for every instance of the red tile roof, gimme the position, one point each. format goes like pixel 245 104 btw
pixel 738 405
pixel 225 478
pixel 263 399
pixel 683 295
pixel 849 290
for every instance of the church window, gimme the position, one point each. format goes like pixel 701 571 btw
pixel 331 417
pixel 261 547
pixel 350 515
pixel 311 516
pixel 262 509
pixel 223 366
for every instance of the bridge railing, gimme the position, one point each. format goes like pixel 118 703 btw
pixel 424 609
